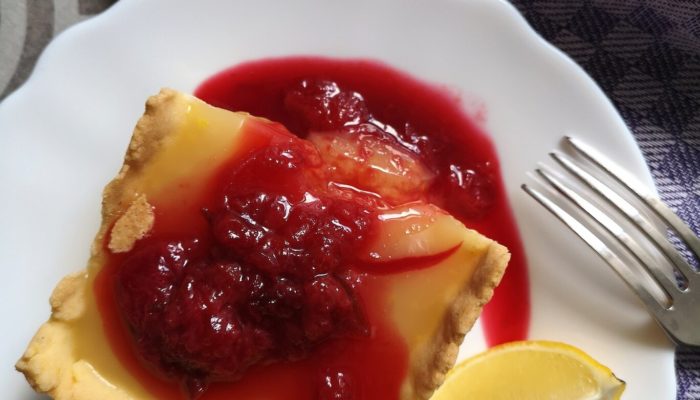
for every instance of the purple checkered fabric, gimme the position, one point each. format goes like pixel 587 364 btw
pixel 646 57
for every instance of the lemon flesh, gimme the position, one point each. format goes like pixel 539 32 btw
pixel 531 370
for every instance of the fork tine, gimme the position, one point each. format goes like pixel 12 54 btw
pixel 656 309
pixel 670 288
pixel 634 216
pixel 653 202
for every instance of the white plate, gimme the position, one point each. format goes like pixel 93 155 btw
pixel 63 134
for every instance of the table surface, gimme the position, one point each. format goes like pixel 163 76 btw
pixel 644 55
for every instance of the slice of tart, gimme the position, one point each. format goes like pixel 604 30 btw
pixel 236 260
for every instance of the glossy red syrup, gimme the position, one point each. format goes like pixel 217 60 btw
pixel 307 94
pixel 407 264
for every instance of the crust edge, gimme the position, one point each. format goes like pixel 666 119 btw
pixel 460 318
pixel 151 130
pixel 46 377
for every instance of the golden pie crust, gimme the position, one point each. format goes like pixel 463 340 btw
pixel 50 364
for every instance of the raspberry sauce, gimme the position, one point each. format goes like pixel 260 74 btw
pixel 316 94
pixel 283 222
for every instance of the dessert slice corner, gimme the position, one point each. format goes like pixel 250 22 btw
pixel 52 363
pixel 460 319
pixel 435 308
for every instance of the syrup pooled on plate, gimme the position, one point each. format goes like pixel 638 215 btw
pixel 260 277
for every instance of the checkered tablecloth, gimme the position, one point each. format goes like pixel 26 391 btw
pixel 646 57
pixel 644 54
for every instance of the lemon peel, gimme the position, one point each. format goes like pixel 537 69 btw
pixel 531 370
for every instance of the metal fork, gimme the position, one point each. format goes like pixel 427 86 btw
pixel 679 314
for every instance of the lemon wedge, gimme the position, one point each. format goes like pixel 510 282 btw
pixel 531 370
